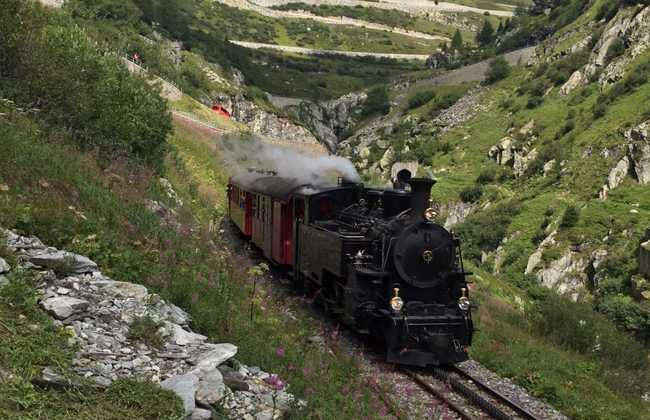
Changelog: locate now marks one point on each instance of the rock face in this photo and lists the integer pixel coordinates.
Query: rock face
(504, 151)
(4, 266)
(259, 121)
(522, 161)
(566, 274)
(455, 212)
(634, 32)
(328, 119)
(98, 313)
(636, 161)
(443, 60)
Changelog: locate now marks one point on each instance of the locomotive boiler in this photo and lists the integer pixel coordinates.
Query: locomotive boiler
(375, 258)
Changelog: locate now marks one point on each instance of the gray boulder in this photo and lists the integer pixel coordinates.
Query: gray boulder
(185, 387)
(78, 263)
(121, 289)
(63, 307)
(4, 266)
(51, 379)
(211, 388)
(217, 354)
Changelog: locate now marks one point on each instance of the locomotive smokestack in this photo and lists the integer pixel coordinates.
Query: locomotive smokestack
(420, 193)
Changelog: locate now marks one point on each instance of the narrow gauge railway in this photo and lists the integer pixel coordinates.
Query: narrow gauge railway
(475, 392)
(375, 258)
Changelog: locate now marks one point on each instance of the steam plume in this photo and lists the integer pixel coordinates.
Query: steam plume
(242, 152)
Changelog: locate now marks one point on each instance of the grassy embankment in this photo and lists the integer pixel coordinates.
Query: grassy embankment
(61, 185)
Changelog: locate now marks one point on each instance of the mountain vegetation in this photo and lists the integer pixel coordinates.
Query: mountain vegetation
(549, 160)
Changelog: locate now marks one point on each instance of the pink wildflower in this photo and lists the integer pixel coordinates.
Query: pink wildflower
(281, 352)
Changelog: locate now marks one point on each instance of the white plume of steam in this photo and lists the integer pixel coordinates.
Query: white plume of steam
(306, 169)
(241, 152)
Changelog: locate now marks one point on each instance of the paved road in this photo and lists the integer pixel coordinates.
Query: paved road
(313, 51)
(410, 6)
(475, 71)
(330, 20)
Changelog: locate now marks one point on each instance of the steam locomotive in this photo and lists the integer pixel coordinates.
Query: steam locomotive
(375, 258)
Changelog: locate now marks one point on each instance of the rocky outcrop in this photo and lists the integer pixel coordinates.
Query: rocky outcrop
(636, 161)
(536, 256)
(643, 262)
(455, 212)
(98, 314)
(260, 122)
(443, 60)
(566, 274)
(504, 151)
(635, 33)
(328, 119)
(522, 160)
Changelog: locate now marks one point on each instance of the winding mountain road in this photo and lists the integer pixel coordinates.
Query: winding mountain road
(314, 51)
(409, 6)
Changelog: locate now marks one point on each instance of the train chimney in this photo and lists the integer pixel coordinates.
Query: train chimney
(420, 193)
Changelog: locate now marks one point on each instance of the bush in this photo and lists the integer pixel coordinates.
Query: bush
(497, 69)
(90, 95)
(421, 98)
(376, 102)
(471, 193)
(570, 217)
(485, 177)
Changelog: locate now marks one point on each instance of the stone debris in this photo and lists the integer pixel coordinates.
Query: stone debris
(98, 313)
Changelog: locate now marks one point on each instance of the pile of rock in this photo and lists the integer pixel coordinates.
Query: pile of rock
(100, 315)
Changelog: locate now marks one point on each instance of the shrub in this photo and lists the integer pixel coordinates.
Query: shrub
(376, 102)
(497, 69)
(485, 177)
(570, 217)
(421, 98)
(534, 102)
(471, 193)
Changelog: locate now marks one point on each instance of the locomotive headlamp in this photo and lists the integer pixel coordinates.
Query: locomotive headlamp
(429, 214)
(463, 302)
(396, 303)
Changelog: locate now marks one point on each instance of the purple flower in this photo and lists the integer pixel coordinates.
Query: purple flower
(306, 372)
(198, 276)
(346, 389)
(382, 411)
(75, 196)
(310, 390)
(281, 352)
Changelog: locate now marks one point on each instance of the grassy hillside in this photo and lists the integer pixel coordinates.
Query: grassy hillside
(548, 345)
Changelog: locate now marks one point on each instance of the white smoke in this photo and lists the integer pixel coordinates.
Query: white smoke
(306, 169)
(241, 152)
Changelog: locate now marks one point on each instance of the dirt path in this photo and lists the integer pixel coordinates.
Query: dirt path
(313, 51)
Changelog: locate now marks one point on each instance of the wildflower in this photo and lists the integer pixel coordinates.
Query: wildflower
(335, 334)
(213, 284)
(358, 408)
(292, 367)
(351, 353)
(310, 390)
(382, 411)
(306, 372)
(346, 389)
(198, 276)
(75, 196)
(374, 404)
(280, 352)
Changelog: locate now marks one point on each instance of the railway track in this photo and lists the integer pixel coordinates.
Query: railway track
(491, 404)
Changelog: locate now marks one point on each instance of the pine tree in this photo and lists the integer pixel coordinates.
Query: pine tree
(444, 46)
(484, 35)
(457, 40)
(500, 28)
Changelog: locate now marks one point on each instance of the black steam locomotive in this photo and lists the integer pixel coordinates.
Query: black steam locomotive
(375, 258)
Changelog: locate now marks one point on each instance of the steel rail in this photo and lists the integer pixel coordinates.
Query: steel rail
(507, 401)
(485, 405)
(423, 383)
